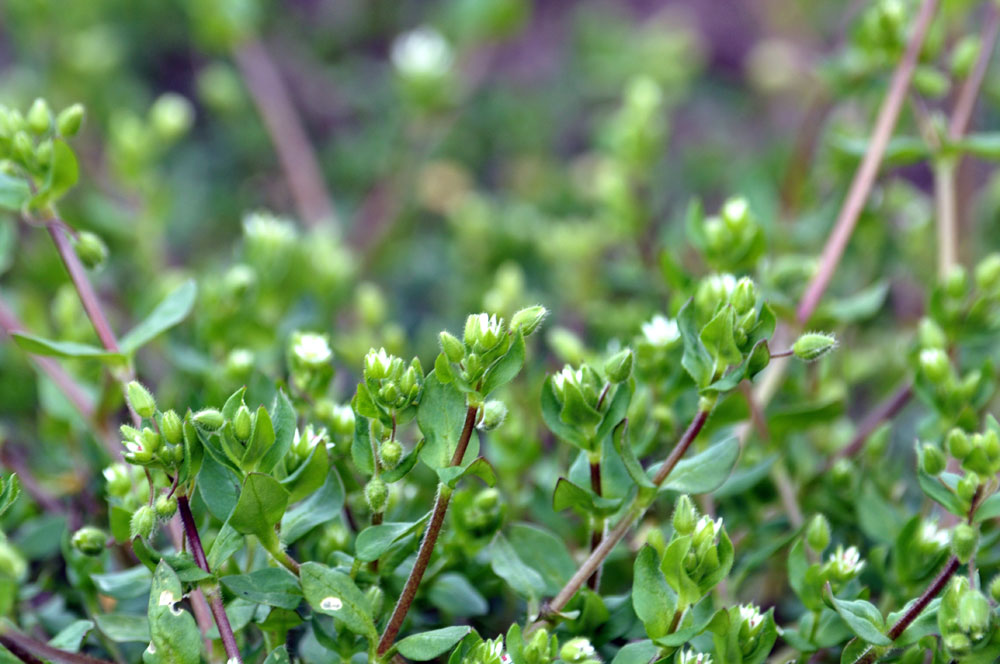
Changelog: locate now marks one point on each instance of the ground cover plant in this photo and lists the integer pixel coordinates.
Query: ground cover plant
(496, 332)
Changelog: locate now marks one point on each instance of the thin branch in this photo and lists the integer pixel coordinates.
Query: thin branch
(884, 412)
(427, 545)
(966, 102)
(298, 159)
(214, 594)
(30, 650)
(599, 523)
(864, 178)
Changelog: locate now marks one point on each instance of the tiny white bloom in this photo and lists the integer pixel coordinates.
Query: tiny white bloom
(751, 615)
(661, 331)
(378, 362)
(421, 52)
(735, 208)
(312, 349)
(847, 562)
(932, 535)
(706, 523)
(692, 657)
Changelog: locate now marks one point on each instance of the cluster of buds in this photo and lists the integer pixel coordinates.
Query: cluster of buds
(27, 139)
(689, 656)
(310, 362)
(583, 393)
(162, 446)
(978, 452)
(965, 618)
(391, 385)
(707, 554)
(540, 649)
(751, 625)
(304, 441)
(840, 566)
(487, 652)
(485, 341)
(579, 650)
(733, 239)
(135, 142)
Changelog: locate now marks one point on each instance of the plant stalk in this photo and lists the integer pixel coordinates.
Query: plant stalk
(213, 592)
(427, 545)
(599, 523)
(31, 651)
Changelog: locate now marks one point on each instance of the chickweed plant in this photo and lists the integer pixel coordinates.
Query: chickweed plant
(753, 430)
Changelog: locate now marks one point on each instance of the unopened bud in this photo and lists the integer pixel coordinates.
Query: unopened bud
(968, 486)
(618, 368)
(577, 650)
(744, 297)
(390, 452)
(813, 345)
(935, 364)
(930, 334)
(165, 506)
(956, 282)
(172, 427)
(492, 415)
(974, 614)
(529, 319)
(453, 349)
(89, 540)
(964, 540)
(39, 116)
(143, 520)
(70, 119)
(958, 443)
(171, 116)
(818, 533)
(685, 515)
(933, 459)
(242, 423)
(376, 493)
(91, 249)
(209, 418)
(140, 399)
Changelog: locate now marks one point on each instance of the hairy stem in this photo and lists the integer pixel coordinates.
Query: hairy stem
(864, 178)
(30, 651)
(427, 544)
(599, 523)
(298, 159)
(213, 592)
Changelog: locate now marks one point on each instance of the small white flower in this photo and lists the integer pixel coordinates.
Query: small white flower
(567, 375)
(692, 657)
(312, 349)
(846, 562)
(378, 363)
(343, 415)
(265, 228)
(751, 615)
(421, 52)
(932, 535)
(661, 331)
(735, 208)
(705, 523)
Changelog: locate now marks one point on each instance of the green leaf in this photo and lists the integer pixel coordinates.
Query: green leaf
(441, 417)
(70, 637)
(322, 506)
(218, 486)
(696, 359)
(261, 438)
(863, 618)
(172, 630)
(982, 145)
(900, 151)
(309, 476)
(333, 593)
(506, 368)
(374, 541)
(169, 312)
(67, 349)
(936, 490)
(225, 544)
(428, 645)
(640, 652)
(284, 423)
(126, 584)
(261, 504)
(623, 446)
(278, 656)
(274, 586)
(9, 493)
(617, 409)
(479, 467)
(123, 628)
(14, 193)
(63, 173)
(521, 577)
(704, 472)
(570, 495)
(453, 595)
(653, 600)
(717, 336)
(544, 552)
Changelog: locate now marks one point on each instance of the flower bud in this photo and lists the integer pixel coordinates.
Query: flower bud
(165, 506)
(310, 350)
(813, 345)
(376, 600)
(528, 320)
(818, 533)
(964, 540)
(150, 440)
(172, 427)
(538, 650)
(974, 614)
(958, 444)
(744, 297)
(390, 452)
(140, 399)
(91, 250)
(209, 418)
(956, 282)
(89, 541)
(685, 515)
(452, 348)
(967, 487)
(376, 493)
(935, 364)
(932, 459)
(492, 415)
(242, 423)
(577, 650)
(618, 367)
(995, 588)
(988, 273)
(143, 520)
(171, 116)
(39, 116)
(24, 149)
(69, 120)
(930, 334)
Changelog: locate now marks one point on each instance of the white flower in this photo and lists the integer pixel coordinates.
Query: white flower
(661, 331)
(705, 523)
(312, 349)
(567, 375)
(932, 535)
(751, 615)
(735, 208)
(265, 228)
(846, 562)
(378, 363)
(692, 657)
(421, 52)
(344, 417)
